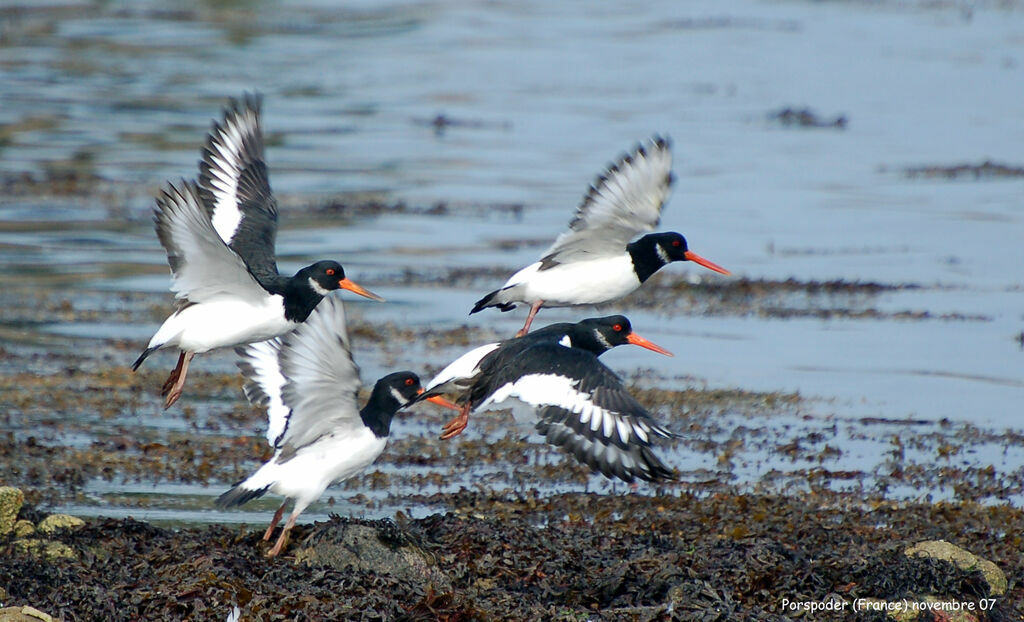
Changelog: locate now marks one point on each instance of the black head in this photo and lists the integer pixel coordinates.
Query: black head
(390, 394)
(600, 334)
(655, 250)
(403, 386)
(326, 276)
(671, 246)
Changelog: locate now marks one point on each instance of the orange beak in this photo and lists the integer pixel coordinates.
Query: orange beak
(352, 286)
(697, 259)
(440, 401)
(637, 340)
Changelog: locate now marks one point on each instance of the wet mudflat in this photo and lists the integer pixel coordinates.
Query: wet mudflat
(777, 499)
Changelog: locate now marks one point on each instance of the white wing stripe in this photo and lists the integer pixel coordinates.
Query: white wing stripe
(560, 391)
(464, 367)
(267, 374)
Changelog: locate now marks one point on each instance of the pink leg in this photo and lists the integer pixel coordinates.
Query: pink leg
(455, 427)
(174, 391)
(282, 540)
(529, 318)
(275, 521)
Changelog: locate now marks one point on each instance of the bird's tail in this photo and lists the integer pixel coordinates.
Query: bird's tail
(143, 356)
(241, 493)
(489, 301)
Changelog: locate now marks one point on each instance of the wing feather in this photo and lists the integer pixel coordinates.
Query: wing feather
(235, 185)
(202, 266)
(623, 202)
(259, 365)
(583, 407)
(321, 378)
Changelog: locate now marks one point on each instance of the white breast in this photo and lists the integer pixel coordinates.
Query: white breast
(223, 322)
(578, 282)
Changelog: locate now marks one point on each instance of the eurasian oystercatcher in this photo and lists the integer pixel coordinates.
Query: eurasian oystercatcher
(594, 261)
(583, 407)
(309, 383)
(219, 236)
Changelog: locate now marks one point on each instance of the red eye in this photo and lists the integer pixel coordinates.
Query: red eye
(408, 382)
(330, 271)
(676, 243)
(617, 328)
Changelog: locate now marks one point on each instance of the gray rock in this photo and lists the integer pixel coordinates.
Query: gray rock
(379, 547)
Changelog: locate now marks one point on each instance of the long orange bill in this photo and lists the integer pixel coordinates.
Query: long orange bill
(637, 340)
(352, 286)
(440, 401)
(710, 265)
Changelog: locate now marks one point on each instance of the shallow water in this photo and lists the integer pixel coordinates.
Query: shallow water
(541, 97)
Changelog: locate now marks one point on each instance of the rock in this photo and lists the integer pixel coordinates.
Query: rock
(47, 549)
(940, 549)
(379, 547)
(53, 522)
(24, 528)
(10, 504)
(23, 614)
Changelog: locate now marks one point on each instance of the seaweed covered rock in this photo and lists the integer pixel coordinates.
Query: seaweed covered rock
(372, 546)
(56, 522)
(963, 559)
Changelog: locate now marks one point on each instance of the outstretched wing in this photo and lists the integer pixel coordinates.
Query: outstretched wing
(623, 202)
(202, 265)
(259, 365)
(321, 379)
(235, 187)
(584, 408)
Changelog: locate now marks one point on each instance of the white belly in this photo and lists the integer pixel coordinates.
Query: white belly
(315, 467)
(223, 323)
(576, 283)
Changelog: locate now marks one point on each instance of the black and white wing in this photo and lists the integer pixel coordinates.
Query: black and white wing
(261, 369)
(584, 408)
(460, 375)
(321, 379)
(235, 186)
(624, 201)
(202, 265)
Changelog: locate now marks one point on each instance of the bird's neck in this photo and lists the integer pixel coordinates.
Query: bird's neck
(299, 297)
(380, 409)
(646, 258)
(591, 341)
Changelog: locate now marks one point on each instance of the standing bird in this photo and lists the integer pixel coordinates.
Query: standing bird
(583, 407)
(594, 261)
(309, 384)
(219, 237)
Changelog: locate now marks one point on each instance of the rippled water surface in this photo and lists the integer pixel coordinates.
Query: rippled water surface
(478, 125)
